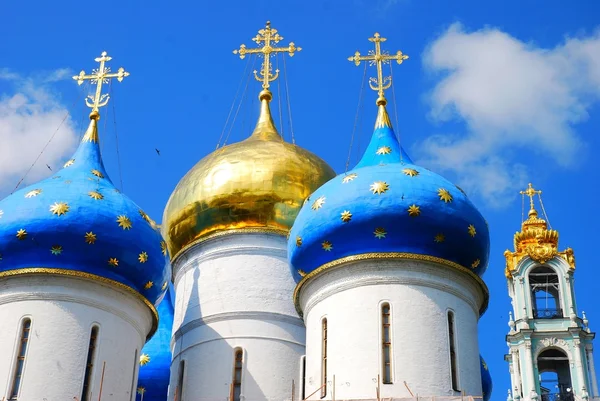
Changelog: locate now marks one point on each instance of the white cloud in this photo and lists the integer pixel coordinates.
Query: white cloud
(29, 115)
(510, 96)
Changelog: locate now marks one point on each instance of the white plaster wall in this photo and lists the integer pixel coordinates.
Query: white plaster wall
(420, 294)
(63, 311)
(236, 291)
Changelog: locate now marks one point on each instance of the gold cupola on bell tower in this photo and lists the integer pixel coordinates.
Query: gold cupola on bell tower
(256, 185)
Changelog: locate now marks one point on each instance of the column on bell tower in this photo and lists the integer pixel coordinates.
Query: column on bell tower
(550, 344)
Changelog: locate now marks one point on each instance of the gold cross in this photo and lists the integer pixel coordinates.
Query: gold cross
(378, 58)
(100, 76)
(270, 37)
(531, 193)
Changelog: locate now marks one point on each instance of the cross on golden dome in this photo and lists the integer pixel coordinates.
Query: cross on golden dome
(531, 192)
(100, 76)
(269, 37)
(378, 58)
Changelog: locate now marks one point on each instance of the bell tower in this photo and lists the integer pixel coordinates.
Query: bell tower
(550, 344)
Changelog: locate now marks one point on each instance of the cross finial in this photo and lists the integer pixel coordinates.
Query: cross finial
(270, 37)
(378, 58)
(531, 192)
(99, 76)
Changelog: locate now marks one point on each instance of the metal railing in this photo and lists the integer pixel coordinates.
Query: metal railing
(547, 313)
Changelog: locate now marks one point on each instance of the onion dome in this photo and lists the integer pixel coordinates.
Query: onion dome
(535, 240)
(486, 380)
(76, 223)
(388, 207)
(155, 359)
(258, 184)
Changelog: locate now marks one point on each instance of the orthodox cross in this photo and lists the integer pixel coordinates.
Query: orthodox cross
(378, 58)
(531, 193)
(100, 76)
(269, 37)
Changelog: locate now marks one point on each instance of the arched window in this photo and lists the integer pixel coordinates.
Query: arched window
(20, 363)
(136, 362)
(453, 356)
(179, 388)
(324, 358)
(555, 376)
(386, 343)
(89, 365)
(545, 299)
(238, 365)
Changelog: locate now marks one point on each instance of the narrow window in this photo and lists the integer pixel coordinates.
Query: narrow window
(452, 341)
(89, 364)
(136, 362)
(324, 358)
(303, 382)
(179, 388)
(18, 375)
(238, 363)
(386, 343)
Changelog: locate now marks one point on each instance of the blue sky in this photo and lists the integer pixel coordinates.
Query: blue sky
(492, 97)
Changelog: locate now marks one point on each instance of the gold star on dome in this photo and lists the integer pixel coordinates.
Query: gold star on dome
(327, 246)
(163, 247)
(69, 163)
(141, 390)
(411, 172)
(56, 250)
(414, 210)
(113, 262)
(439, 238)
(472, 230)
(144, 359)
(476, 263)
(90, 238)
(33, 193)
(444, 195)
(346, 216)
(298, 241)
(349, 178)
(124, 222)
(59, 208)
(148, 285)
(95, 195)
(143, 257)
(97, 173)
(144, 216)
(318, 203)
(380, 233)
(379, 187)
(301, 272)
(384, 150)
(22, 234)
(164, 286)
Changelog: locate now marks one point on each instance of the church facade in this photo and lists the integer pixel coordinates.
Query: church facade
(273, 278)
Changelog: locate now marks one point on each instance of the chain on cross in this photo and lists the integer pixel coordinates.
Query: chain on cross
(100, 76)
(270, 38)
(531, 192)
(378, 58)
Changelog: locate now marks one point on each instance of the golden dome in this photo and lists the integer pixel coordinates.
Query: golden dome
(259, 183)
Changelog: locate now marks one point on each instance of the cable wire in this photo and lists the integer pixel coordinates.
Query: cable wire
(397, 130)
(358, 108)
(544, 211)
(289, 103)
(279, 98)
(116, 137)
(241, 101)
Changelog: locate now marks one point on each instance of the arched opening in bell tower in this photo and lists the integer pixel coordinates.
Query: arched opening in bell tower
(555, 376)
(545, 293)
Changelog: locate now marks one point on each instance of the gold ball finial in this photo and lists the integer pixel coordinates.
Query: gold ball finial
(381, 101)
(94, 115)
(265, 94)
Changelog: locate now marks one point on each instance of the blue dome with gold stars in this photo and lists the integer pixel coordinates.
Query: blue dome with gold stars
(486, 380)
(388, 207)
(155, 359)
(77, 223)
